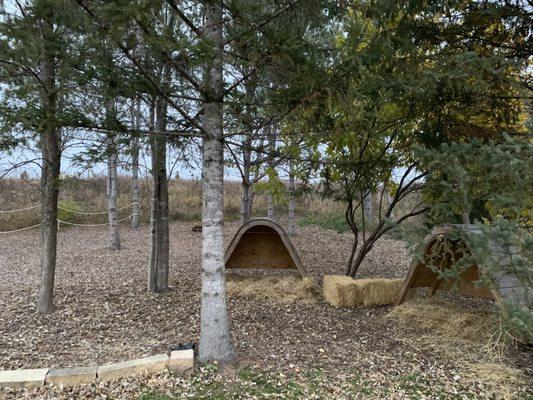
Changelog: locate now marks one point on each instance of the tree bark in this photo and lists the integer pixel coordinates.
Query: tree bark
(388, 201)
(367, 207)
(112, 194)
(215, 340)
(270, 207)
(159, 224)
(51, 155)
(349, 216)
(247, 196)
(136, 119)
(135, 192)
(50, 138)
(246, 202)
(271, 150)
(292, 201)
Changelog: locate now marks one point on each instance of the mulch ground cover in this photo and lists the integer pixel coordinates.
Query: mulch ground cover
(104, 313)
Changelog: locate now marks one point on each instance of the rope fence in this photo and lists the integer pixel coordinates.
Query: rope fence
(96, 213)
(19, 210)
(67, 210)
(60, 221)
(21, 229)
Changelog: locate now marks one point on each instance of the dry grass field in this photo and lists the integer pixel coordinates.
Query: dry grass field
(184, 198)
(88, 195)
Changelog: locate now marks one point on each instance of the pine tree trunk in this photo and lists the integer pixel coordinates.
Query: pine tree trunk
(136, 119)
(246, 199)
(135, 192)
(159, 224)
(112, 196)
(154, 217)
(51, 165)
(246, 202)
(163, 246)
(271, 150)
(51, 154)
(292, 201)
(215, 340)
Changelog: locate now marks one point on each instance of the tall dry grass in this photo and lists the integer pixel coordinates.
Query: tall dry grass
(89, 195)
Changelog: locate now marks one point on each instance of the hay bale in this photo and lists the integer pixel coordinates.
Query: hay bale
(343, 291)
(281, 289)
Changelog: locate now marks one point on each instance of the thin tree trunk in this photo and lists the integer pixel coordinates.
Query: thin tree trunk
(162, 263)
(215, 340)
(388, 201)
(135, 192)
(154, 217)
(349, 216)
(466, 218)
(51, 165)
(271, 150)
(154, 209)
(246, 202)
(51, 154)
(352, 256)
(270, 207)
(367, 207)
(112, 195)
(379, 230)
(163, 231)
(137, 115)
(357, 262)
(159, 225)
(292, 201)
(246, 199)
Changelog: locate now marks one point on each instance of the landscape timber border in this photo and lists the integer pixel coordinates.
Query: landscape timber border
(179, 362)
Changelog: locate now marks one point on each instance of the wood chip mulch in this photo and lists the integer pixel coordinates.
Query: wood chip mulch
(104, 312)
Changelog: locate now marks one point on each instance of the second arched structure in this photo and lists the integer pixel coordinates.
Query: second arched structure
(504, 286)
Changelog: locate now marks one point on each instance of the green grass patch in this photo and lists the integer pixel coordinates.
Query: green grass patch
(68, 211)
(333, 222)
(154, 396)
(211, 383)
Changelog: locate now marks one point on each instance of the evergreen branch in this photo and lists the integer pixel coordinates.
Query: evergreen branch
(184, 18)
(104, 27)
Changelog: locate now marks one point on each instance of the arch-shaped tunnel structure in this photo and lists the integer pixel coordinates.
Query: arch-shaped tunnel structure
(504, 287)
(262, 243)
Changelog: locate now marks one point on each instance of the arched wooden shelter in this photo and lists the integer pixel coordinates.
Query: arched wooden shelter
(501, 287)
(262, 243)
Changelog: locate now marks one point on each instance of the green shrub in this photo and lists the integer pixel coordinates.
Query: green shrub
(67, 211)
